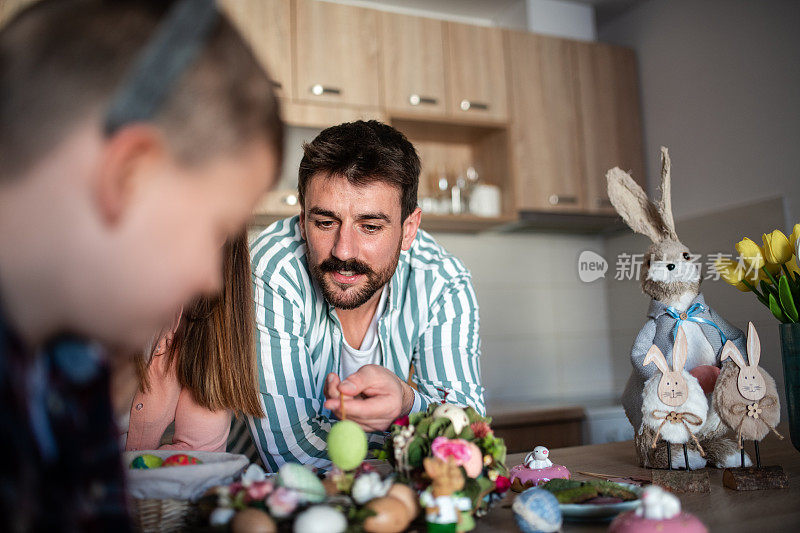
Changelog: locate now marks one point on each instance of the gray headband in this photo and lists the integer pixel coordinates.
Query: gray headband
(175, 45)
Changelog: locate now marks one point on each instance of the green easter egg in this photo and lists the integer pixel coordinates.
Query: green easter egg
(347, 445)
(147, 461)
(303, 481)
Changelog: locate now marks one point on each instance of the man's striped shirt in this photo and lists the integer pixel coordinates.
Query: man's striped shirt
(431, 321)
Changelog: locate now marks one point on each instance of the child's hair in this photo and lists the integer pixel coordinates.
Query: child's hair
(63, 60)
(213, 349)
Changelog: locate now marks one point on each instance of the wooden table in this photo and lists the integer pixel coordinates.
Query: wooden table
(722, 509)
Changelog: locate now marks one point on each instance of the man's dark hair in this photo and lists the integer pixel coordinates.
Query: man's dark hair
(363, 152)
(63, 60)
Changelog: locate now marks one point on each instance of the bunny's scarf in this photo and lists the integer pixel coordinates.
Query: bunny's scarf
(753, 410)
(673, 417)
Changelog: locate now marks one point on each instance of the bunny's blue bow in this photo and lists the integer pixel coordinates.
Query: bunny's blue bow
(689, 317)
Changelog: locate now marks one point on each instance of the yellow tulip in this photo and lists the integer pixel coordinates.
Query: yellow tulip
(777, 249)
(731, 273)
(772, 268)
(792, 265)
(750, 254)
(794, 236)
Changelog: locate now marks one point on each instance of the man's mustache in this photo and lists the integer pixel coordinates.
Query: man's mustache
(333, 264)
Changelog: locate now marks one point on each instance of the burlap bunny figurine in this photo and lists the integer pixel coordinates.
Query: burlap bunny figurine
(671, 278)
(745, 396)
(673, 403)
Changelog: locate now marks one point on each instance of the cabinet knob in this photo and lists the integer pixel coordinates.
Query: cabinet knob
(466, 105)
(555, 199)
(416, 99)
(319, 90)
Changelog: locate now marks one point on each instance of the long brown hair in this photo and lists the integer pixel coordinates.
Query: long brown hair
(213, 348)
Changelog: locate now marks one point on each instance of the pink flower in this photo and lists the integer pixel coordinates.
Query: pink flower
(502, 484)
(481, 429)
(402, 421)
(464, 453)
(259, 490)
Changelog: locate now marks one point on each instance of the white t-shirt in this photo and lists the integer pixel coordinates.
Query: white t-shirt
(370, 350)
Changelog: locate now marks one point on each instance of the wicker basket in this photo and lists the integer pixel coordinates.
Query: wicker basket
(162, 516)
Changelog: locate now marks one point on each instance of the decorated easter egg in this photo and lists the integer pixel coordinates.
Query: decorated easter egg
(536, 511)
(146, 461)
(407, 496)
(300, 479)
(251, 520)
(347, 445)
(391, 516)
(320, 519)
(181, 459)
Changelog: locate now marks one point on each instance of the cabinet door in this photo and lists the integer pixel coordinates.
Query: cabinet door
(413, 64)
(612, 131)
(267, 26)
(337, 54)
(545, 127)
(477, 71)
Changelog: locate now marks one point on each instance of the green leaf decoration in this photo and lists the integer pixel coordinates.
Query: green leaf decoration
(767, 289)
(467, 434)
(416, 452)
(450, 432)
(437, 427)
(776, 309)
(787, 302)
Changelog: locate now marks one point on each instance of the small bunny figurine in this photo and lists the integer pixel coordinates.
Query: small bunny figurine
(672, 280)
(442, 506)
(745, 396)
(674, 405)
(538, 458)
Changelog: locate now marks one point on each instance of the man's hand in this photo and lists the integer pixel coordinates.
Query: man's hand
(374, 397)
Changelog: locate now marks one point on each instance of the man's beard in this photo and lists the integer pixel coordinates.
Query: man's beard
(352, 297)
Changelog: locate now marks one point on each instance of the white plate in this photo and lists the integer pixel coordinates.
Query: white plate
(592, 512)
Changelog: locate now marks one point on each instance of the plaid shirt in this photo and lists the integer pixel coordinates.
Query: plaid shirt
(61, 467)
(431, 320)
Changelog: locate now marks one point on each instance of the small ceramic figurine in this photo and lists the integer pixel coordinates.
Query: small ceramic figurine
(745, 396)
(440, 502)
(660, 512)
(537, 468)
(538, 458)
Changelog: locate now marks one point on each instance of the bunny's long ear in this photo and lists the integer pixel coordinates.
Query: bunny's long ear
(753, 345)
(654, 355)
(665, 205)
(632, 204)
(679, 351)
(730, 350)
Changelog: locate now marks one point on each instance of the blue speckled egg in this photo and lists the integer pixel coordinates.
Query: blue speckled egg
(537, 511)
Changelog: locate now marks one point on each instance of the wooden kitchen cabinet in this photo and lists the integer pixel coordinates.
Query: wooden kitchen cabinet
(610, 116)
(477, 72)
(336, 58)
(545, 125)
(413, 64)
(267, 27)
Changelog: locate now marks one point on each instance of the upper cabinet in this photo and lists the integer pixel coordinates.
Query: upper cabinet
(267, 27)
(612, 130)
(545, 124)
(413, 64)
(477, 72)
(336, 57)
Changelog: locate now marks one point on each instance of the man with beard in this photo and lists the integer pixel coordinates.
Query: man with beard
(351, 295)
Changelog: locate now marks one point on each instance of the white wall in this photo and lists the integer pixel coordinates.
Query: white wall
(563, 19)
(719, 87)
